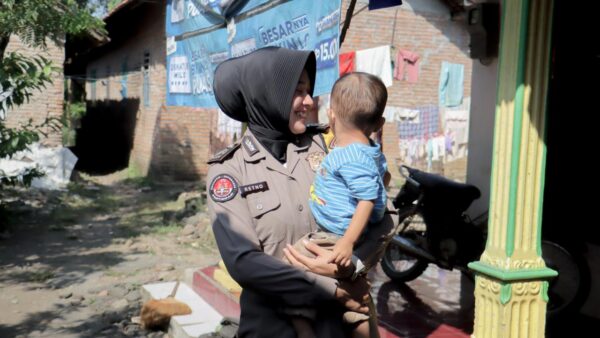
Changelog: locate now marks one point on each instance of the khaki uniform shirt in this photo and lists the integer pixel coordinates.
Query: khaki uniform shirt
(258, 206)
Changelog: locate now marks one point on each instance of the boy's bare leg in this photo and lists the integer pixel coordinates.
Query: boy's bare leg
(303, 327)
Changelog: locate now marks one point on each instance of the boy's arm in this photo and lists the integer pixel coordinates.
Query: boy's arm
(342, 251)
(359, 221)
(361, 176)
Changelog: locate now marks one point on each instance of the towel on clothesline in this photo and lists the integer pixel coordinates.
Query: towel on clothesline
(347, 62)
(451, 84)
(376, 61)
(407, 61)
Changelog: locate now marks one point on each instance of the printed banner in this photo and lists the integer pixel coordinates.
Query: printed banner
(201, 34)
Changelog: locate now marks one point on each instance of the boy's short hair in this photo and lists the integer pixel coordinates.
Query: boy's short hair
(359, 99)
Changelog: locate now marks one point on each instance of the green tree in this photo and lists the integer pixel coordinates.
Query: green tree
(36, 23)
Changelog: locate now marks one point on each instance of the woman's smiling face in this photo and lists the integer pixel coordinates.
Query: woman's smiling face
(302, 103)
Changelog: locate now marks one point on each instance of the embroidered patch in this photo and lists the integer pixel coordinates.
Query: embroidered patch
(315, 159)
(252, 188)
(223, 188)
(249, 145)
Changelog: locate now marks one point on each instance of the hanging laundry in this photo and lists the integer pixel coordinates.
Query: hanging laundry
(430, 154)
(407, 66)
(451, 84)
(457, 121)
(390, 113)
(439, 142)
(408, 115)
(449, 141)
(377, 4)
(347, 62)
(435, 150)
(376, 61)
(427, 125)
(457, 114)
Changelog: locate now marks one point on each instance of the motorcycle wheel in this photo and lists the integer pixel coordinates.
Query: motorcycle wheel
(568, 291)
(399, 266)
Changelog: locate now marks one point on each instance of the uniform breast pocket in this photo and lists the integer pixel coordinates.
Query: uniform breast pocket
(265, 208)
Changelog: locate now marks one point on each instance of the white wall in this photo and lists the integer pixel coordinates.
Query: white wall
(481, 132)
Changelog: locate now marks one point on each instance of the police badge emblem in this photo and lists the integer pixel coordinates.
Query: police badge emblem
(223, 188)
(315, 159)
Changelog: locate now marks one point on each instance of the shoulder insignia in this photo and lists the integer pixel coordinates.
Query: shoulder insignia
(222, 154)
(223, 188)
(249, 145)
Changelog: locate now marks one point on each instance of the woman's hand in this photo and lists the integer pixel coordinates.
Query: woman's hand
(319, 264)
(354, 295)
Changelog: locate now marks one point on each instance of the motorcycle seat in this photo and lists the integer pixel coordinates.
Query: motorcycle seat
(443, 190)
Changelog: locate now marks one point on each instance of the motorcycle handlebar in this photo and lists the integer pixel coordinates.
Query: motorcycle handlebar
(405, 172)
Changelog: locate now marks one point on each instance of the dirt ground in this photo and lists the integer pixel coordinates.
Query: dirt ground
(72, 262)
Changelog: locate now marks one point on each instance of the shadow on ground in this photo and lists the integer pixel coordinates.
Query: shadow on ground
(60, 241)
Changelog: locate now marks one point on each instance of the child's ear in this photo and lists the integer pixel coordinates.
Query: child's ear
(330, 115)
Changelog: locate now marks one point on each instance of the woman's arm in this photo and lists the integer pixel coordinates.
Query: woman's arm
(248, 264)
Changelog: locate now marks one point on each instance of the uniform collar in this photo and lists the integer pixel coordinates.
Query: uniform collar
(302, 145)
(254, 151)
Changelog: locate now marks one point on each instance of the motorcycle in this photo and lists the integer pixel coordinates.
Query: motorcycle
(448, 238)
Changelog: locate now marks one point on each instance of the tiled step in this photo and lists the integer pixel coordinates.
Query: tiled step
(203, 319)
(204, 284)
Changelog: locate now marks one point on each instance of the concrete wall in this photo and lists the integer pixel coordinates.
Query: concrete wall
(481, 138)
(45, 103)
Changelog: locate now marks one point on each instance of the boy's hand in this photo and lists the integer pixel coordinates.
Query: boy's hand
(342, 253)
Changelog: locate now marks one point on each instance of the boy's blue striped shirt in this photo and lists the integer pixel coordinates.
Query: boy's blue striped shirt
(347, 175)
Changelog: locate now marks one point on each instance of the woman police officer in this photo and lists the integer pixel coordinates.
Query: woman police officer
(258, 196)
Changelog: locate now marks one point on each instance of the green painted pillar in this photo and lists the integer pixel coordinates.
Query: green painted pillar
(511, 278)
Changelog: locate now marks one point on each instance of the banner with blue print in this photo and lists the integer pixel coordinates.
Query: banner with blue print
(203, 33)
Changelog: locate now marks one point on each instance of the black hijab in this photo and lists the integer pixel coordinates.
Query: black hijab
(258, 88)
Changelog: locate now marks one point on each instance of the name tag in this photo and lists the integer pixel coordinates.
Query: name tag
(252, 188)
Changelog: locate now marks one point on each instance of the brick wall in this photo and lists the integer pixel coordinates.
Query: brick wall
(423, 27)
(169, 142)
(182, 143)
(174, 142)
(45, 103)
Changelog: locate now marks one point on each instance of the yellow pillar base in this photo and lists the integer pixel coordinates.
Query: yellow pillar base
(515, 309)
